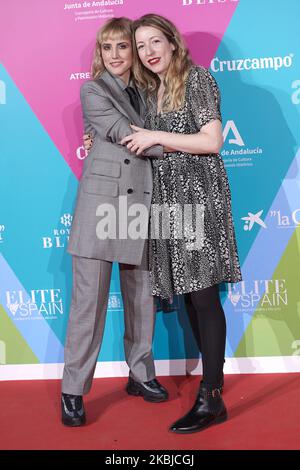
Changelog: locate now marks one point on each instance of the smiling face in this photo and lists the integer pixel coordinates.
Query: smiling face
(117, 56)
(154, 49)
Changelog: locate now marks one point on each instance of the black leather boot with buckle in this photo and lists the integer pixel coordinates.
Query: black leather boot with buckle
(208, 409)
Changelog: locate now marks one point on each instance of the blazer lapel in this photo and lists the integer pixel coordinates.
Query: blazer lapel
(144, 104)
(116, 95)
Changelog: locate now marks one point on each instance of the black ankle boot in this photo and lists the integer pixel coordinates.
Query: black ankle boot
(72, 410)
(208, 409)
(221, 386)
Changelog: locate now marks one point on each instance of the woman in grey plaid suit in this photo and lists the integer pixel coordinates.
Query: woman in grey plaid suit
(112, 176)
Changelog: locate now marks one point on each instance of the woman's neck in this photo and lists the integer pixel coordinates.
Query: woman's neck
(160, 94)
(162, 76)
(125, 77)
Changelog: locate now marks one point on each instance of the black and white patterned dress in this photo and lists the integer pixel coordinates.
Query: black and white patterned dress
(204, 254)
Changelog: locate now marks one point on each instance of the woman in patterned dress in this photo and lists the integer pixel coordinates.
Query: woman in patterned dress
(191, 185)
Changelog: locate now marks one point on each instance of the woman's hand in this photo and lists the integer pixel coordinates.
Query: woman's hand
(87, 141)
(141, 140)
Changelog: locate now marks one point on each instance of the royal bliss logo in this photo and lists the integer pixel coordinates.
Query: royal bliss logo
(60, 235)
(35, 304)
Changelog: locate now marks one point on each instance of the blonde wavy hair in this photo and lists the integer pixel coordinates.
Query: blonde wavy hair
(116, 27)
(178, 69)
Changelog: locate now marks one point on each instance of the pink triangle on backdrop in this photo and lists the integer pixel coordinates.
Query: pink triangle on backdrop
(42, 45)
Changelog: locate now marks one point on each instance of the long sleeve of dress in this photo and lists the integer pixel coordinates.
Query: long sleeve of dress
(203, 97)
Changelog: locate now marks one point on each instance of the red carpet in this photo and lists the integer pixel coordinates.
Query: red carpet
(264, 413)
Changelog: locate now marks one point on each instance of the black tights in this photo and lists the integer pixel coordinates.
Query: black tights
(208, 323)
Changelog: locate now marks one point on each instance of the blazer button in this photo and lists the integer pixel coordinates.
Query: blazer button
(130, 190)
(127, 161)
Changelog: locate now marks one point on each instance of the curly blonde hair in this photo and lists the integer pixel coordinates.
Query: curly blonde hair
(116, 27)
(178, 69)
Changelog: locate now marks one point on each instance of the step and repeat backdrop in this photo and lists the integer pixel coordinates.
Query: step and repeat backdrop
(252, 48)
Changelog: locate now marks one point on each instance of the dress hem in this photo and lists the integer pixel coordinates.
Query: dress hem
(187, 291)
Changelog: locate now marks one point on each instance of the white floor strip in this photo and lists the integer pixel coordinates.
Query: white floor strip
(245, 365)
